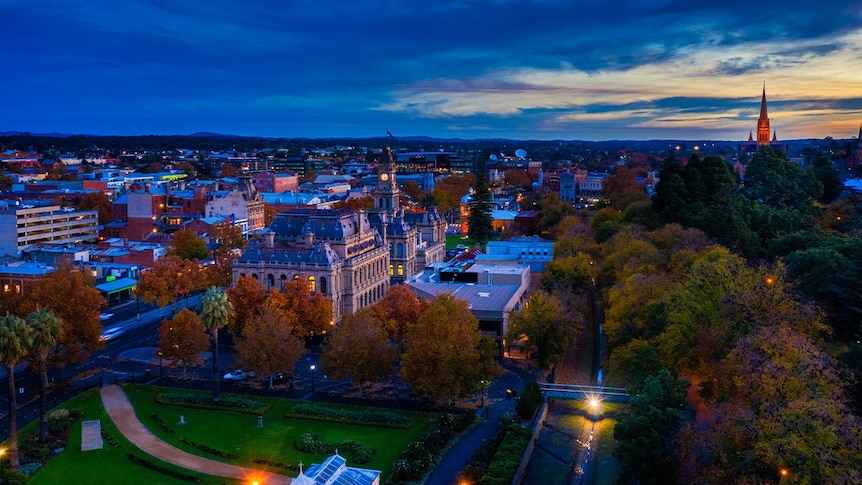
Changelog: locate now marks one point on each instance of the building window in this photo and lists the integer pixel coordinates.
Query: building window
(323, 285)
(282, 280)
(312, 284)
(270, 281)
(399, 250)
(391, 272)
(400, 270)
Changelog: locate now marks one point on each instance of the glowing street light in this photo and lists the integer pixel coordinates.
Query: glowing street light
(312, 376)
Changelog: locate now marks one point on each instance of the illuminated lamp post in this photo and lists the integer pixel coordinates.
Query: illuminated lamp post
(312, 376)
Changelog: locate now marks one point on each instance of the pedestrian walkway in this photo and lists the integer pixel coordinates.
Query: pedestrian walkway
(120, 410)
(453, 462)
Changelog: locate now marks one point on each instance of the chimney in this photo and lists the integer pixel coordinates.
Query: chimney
(309, 240)
(269, 237)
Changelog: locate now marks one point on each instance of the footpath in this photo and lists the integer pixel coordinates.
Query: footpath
(456, 458)
(120, 410)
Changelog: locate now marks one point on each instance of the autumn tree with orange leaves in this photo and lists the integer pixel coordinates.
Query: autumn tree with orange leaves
(247, 298)
(269, 342)
(313, 311)
(397, 310)
(170, 276)
(183, 340)
(360, 350)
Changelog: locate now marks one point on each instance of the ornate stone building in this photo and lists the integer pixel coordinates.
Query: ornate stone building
(352, 257)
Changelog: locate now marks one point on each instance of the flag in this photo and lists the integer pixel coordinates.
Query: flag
(389, 133)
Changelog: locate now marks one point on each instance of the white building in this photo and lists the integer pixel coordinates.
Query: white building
(23, 226)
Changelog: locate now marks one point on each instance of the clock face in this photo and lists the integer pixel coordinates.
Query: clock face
(384, 177)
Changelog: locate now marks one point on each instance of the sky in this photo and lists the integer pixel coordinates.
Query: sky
(527, 69)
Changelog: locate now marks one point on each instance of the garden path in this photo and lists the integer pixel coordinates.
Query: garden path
(120, 410)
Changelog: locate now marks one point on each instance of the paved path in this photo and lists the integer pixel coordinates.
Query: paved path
(120, 410)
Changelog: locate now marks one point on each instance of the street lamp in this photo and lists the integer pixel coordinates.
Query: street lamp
(160, 365)
(594, 405)
(312, 376)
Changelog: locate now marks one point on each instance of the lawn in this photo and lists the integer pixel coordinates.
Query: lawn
(109, 464)
(231, 433)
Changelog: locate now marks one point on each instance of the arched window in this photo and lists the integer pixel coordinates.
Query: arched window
(400, 270)
(255, 276)
(399, 250)
(323, 288)
(270, 281)
(282, 281)
(312, 284)
(391, 271)
(295, 277)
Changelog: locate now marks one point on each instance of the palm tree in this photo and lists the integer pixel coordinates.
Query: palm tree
(46, 330)
(216, 312)
(14, 346)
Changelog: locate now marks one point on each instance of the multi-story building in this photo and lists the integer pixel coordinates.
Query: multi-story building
(336, 252)
(350, 256)
(243, 207)
(22, 226)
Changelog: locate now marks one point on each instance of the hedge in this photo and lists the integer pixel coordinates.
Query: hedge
(386, 419)
(235, 404)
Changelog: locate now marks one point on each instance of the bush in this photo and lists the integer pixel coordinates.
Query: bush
(310, 443)
(347, 415)
(30, 468)
(418, 458)
(165, 471)
(508, 457)
(60, 420)
(161, 424)
(235, 404)
(529, 401)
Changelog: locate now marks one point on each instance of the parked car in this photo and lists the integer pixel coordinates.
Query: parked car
(281, 377)
(238, 375)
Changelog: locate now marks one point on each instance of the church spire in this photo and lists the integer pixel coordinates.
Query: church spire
(763, 131)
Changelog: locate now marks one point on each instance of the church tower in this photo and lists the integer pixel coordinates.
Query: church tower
(386, 190)
(763, 122)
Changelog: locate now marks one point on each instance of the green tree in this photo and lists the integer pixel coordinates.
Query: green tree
(545, 328)
(15, 343)
(657, 410)
(479, 224)
(183, 340)
(442, 358)
(46, 332)
(360, 350)
(269, 342)
(828, 177)
(186, 245)
(216, 313)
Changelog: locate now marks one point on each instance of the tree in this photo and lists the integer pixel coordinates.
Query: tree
(622, 189)
(442, 358)
(480, 223)
(216, 313)
(15, 342)
(828, 177)
(413, 191)
(100, 202)
(360, 350)
(186, 245)
(247, 298)
(71, 295)
(170, 276)
(269, 343)
(643, 437)
(313, 311)
(397, 310)
(183, 340)
(546, 330)
(228, 170)
(46, 332)
(448, 192)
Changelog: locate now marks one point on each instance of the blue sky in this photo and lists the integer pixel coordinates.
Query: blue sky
(539, 69)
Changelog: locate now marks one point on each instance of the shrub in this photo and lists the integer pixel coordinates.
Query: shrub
(310, 443)
(529, 401)
(275, 464)
(161, 424)
(421, 455)
(346, 415)
(29, 468)
(508, 457)
(165, 471)
(60, 420)
(110, 440)
(237, 404)
(207, 449)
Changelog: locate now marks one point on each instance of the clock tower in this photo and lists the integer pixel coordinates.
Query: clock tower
(386, 190)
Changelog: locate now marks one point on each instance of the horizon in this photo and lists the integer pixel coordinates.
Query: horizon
(541, 70)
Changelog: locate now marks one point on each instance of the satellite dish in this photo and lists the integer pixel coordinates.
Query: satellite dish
(493, 157)
(520, 153)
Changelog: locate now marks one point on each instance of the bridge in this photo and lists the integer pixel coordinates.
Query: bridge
(580, 391)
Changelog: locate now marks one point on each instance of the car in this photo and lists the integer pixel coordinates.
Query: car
(105, 316)
(238, 375)
(281, 377)
(111, 333)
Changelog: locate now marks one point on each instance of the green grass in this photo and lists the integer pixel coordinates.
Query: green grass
(108, 465)
(229, 432)
(453, 240)
(238, 433)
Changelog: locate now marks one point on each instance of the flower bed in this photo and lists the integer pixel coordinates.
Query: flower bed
(310, 443)
(387, 419)
(234, 404)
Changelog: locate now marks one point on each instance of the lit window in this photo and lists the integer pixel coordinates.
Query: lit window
(312, 284)
(391, 271)
(400, 270)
